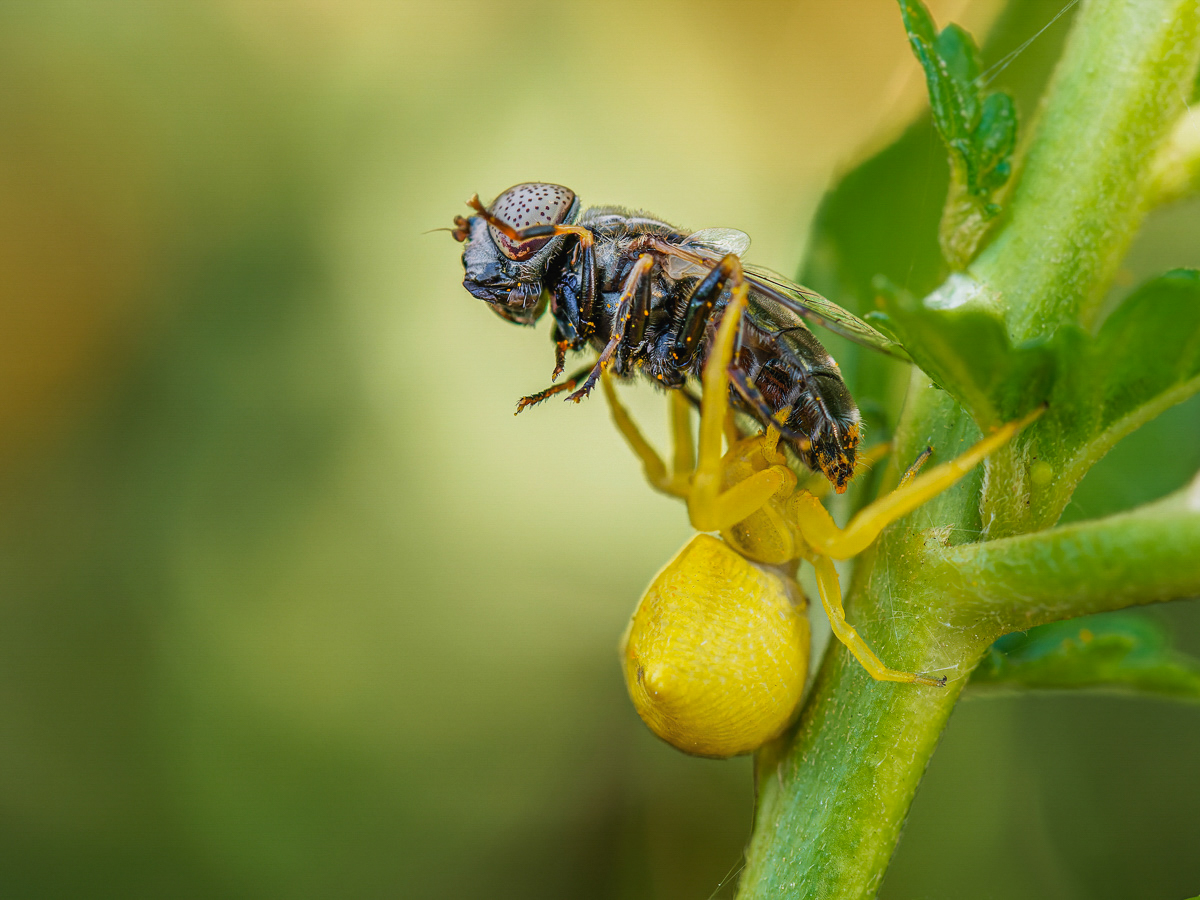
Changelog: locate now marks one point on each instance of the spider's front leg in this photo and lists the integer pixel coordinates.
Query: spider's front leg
(677, 482)
(831, 598)
(823, 535)
(709, 507)
(829, 542)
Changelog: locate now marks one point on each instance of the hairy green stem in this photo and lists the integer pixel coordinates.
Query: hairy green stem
(1122, 84)
(1149, 554)
(831, 810)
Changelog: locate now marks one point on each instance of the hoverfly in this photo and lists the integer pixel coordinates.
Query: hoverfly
(648, 295)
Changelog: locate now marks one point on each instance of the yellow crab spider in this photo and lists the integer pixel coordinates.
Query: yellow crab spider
(716, 654)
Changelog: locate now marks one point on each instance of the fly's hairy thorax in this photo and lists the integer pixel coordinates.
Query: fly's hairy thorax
(616, 232)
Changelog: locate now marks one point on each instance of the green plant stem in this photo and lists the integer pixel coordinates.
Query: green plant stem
(1120, 87)
(1149, 554)
(831, 811)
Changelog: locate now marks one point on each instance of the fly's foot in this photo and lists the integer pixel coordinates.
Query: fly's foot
(585, 390)
(593, 376)
(532, 400)
(560, 358)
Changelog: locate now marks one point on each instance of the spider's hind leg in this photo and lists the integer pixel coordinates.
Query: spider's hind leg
(831, 599)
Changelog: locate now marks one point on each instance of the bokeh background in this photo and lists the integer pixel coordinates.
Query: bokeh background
(290, 604)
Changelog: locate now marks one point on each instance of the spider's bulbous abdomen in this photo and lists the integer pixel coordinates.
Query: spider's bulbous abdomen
(716, 654)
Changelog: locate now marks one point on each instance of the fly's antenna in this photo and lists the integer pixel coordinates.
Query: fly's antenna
(460, 232)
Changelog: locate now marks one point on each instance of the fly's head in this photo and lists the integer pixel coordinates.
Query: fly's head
(511, 244)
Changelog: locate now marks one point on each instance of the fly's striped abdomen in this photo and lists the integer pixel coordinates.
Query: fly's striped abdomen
(791, 370)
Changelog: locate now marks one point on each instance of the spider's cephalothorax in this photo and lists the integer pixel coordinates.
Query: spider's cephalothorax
(647, 295)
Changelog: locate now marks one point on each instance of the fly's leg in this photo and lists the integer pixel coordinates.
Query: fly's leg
(587, 300)
(560, 358)
(643, 296)
(710, 508)
(827, 539)
(534, 399)
(632, 290)
(726, 274)
(561, 346)
(831, 598)
(751, 394)
(674, 484)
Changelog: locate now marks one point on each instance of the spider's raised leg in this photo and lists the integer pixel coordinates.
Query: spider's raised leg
(827, 539)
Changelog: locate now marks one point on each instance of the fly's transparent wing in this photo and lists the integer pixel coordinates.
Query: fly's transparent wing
(816, 308)
(720, 241)
(711, 243)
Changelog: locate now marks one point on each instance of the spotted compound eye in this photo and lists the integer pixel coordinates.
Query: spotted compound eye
(525, 205)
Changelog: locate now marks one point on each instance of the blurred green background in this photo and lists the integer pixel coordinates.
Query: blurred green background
(290, 604)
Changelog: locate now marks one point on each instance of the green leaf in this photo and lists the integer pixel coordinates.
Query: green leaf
(1120, 651)
(1145, 359)
(958, 338)
(995, 139)
(979, 130)
(956, 46)
(1149, 347)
